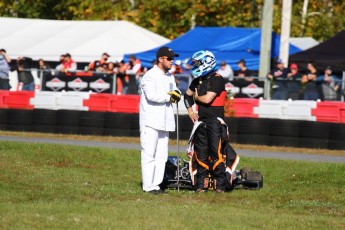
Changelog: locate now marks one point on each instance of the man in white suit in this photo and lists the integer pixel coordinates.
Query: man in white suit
(159, 91)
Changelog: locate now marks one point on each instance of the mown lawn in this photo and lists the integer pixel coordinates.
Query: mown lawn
(46, 186)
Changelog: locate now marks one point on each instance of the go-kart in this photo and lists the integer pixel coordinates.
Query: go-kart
(245, 178)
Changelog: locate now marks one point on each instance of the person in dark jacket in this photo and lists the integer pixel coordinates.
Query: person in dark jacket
(278, 76)
(25, 77)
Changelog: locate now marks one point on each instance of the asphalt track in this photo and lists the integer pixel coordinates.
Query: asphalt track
(182, 149)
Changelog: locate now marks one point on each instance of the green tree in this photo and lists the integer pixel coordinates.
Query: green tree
(173, 18)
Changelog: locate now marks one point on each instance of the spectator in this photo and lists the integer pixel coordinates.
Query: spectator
(43, 68)
(243, 71)
(23, 68)
(110, 69)
(330, 85)
(177, 68)
(182, 81)
(133, 68)
(5, 61)
(278, 75)
(294, 85)
(62, 58)
(186, 68)
(153, 63)
(67, 65)
(225, 70)
(309, 83)
(122, 78)
(100, 65)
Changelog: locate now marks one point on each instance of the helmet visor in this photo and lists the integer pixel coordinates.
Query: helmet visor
(194, 63)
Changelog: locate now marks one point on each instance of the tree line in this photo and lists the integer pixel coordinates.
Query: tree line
(171, 19)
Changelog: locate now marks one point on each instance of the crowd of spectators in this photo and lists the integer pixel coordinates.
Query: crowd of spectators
(312, 84)
(286, 82)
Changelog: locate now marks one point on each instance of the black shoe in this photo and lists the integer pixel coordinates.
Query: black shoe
(153, 192)
(219, 191)
(160, 191)
(200, 190)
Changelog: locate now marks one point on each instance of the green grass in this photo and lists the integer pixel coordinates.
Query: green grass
(46, 186)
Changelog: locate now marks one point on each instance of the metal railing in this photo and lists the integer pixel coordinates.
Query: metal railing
(256, 87)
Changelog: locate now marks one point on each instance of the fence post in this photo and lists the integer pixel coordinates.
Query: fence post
(267, 90)
(343, 88)
(114, 84)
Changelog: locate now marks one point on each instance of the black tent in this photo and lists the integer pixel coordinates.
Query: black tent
(329, 53)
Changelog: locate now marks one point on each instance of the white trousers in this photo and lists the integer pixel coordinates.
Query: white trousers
(154, 154)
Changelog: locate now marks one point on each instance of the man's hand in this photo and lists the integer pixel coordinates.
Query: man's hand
(193, 116)
(175, 96)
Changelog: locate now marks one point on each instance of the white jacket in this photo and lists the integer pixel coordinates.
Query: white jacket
(156, 110)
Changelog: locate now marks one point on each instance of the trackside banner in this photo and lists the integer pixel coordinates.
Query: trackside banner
(240, 88)
(80, 82)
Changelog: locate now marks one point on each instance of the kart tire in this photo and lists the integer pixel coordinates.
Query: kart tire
(243, 172)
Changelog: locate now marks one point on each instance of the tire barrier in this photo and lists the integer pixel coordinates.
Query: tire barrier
(185, 128)
(314, 135)
(3, 119)
(336, 136)
(67, 121)
(19, 120)
(272, 132)
(284, 132)
(44, 120)
(232, 128)
(91, 123)
(253, 131)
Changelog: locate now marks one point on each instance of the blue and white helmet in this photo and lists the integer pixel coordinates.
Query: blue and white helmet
(202, 63)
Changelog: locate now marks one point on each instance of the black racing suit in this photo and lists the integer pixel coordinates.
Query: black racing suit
(209, 137)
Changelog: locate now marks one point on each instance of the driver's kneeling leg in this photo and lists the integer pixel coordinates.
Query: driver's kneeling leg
(203, 170)
(219, 178)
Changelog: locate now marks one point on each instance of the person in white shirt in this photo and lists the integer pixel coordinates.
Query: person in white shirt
(225, 70)
(158, 92)
(68, 65)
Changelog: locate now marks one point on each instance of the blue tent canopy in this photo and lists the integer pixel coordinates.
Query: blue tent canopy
(226, 43)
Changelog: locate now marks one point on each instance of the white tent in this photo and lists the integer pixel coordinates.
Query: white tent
(84, 40)
(304, 43)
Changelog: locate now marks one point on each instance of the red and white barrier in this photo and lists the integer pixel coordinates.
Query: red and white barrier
(330, 111)
(240, 107)
(299, 110)
(270, 109)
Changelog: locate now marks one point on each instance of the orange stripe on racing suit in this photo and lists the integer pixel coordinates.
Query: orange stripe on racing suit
(200, 162)
(220, 155)
(219, 100)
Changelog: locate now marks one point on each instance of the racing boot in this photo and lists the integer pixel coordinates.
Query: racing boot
(203, 186)
(217, 189)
